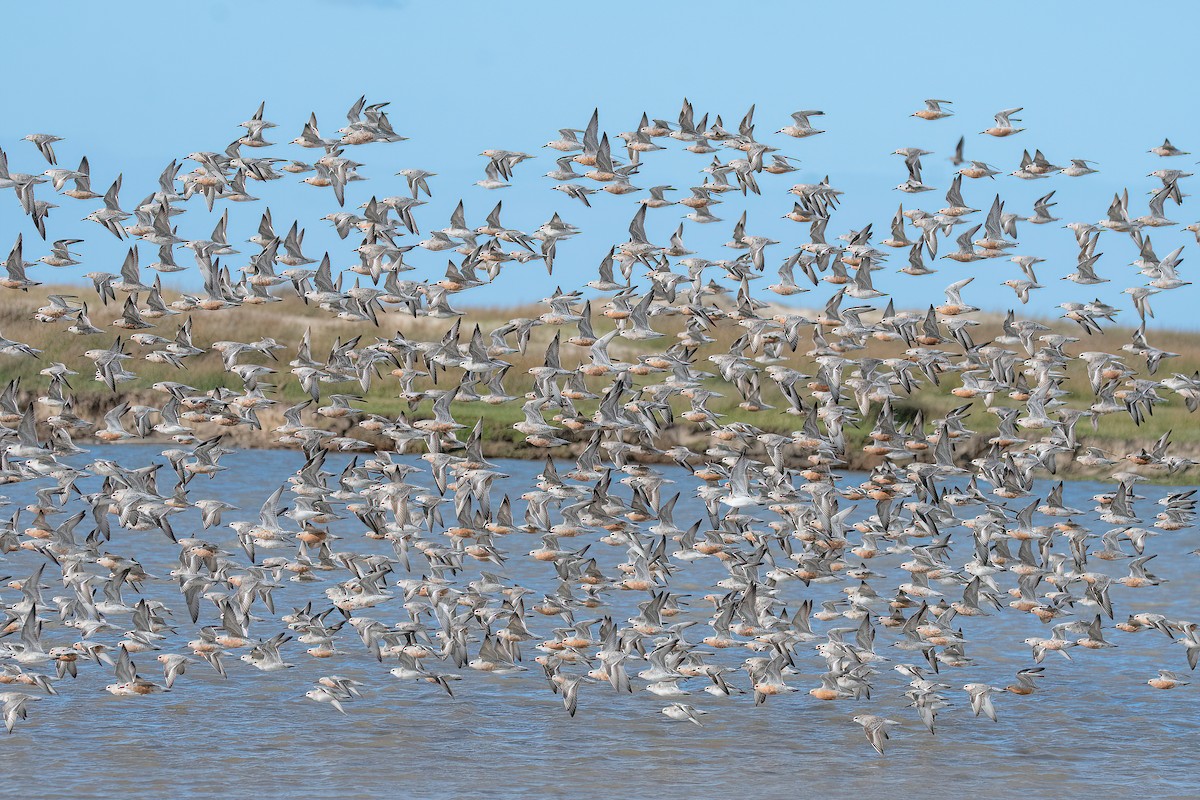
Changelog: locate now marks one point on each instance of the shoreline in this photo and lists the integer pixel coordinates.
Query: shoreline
(93, 406)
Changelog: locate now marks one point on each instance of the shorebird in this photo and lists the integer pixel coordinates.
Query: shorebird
(1167, 149)
(801, 127)
(875, 728)
(933, 110)
(1004, 123)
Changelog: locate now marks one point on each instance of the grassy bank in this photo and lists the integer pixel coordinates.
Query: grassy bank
(286, 321)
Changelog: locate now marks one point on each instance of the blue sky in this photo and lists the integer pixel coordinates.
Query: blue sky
(134, 89)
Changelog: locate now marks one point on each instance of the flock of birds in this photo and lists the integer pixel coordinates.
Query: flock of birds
(429, 598)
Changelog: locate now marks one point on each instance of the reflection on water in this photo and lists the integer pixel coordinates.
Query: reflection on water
(1094, 725)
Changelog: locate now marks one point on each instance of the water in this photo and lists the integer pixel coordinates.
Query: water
(1094, 726)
